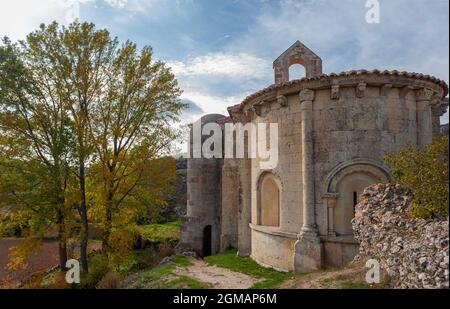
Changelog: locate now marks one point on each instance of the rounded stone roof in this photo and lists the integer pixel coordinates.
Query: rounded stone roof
(352, 73)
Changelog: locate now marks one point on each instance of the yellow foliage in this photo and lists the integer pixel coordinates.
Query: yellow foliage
(20, 253)
(424, 172)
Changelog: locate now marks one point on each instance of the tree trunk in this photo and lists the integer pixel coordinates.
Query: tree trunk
(108, 209)
(108, 221)
(62, 241)
(60, 216)
(84, 237)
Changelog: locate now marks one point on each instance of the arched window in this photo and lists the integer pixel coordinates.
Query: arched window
(342, 188)
(269, 201)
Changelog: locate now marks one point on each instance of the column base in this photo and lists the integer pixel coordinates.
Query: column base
(308, 253)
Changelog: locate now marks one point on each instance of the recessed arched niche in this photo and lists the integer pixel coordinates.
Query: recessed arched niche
(269, 200)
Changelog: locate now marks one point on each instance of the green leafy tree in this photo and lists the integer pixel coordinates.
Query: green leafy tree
(424, 172)
(36, 135)
(75, 105)
(132, 125)
(79, 58)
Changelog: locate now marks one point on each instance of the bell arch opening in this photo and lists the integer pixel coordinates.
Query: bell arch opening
(296, 71)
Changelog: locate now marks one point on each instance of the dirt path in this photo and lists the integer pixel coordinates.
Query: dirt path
(220, 278)
(349, 277)
(46, 258)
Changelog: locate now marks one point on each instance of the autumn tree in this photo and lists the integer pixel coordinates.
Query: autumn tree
(79, 57)
(424, 172)
(35, 137)
(147, 199)
(81, 106)
(133, 124)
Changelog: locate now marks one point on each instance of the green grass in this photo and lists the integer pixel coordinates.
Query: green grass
(138, 260)
(158, 233)
(270, 277)
(164, 278)
(185, 282)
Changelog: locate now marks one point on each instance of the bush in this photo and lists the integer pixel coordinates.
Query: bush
(110, 281)
(98, 268)
(424, 172)
(152, 235)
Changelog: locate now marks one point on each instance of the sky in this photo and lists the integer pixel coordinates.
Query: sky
(222, 50)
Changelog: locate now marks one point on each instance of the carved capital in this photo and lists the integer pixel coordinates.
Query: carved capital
(360, 89)
(282, 100)
(256, 108)
(330, 199)
(335, 90)
(441, 108)
(405, 90)
(384, 91)
(238, 115)
(424, 94)
(306, 95)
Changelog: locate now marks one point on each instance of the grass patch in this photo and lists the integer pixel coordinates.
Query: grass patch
(138, 260)
(229, 259)
(159, 233)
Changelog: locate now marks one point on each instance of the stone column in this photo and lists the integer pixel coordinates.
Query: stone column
(308, 248)
(330, 202)
(424, 117)
(309, 222)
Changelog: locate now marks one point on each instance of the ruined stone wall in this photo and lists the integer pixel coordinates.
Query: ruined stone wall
(413, 252)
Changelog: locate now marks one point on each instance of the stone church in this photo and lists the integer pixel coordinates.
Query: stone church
(333, 132)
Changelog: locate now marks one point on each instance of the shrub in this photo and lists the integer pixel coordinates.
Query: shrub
(98, 268)
(153, 235)
(110, 281)
(55, 280)
(165, 249)
(424, 172)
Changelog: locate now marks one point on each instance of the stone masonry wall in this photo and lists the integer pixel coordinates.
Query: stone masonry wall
(413, 252)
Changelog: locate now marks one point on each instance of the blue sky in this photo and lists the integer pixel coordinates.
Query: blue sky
(222, 50)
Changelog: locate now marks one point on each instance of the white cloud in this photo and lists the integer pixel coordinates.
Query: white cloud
(117, 3)
(239, 66)
(411, 36)
(210, 103)
(20, 17)
(207, 79)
